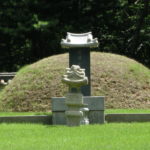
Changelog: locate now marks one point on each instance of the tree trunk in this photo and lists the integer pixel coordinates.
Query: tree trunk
(143, 14)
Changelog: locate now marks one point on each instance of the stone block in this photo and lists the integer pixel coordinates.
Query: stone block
(58, 117)
(95, 104)
(44, 119)
(58, 104)
(96, 117)
(127, 117)
(74, 99)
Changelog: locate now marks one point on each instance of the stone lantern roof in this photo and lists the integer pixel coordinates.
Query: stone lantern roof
(74, 40)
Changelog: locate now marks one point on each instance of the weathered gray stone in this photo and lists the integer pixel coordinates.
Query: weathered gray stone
(74, 99)
(79, 53)
(75, 78)
(95, 104)
(79, 40)
(96, 117)
(5, 79)
(48, 119)
(58, 104)
(7, 76)
(85, 119)
(44, 119)
(81, 57)
(59, 117)
(127, 117)
(73, 117)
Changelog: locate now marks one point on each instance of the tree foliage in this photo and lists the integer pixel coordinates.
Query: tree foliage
(31, 30)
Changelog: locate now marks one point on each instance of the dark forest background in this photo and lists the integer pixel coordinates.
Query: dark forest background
(32, 29)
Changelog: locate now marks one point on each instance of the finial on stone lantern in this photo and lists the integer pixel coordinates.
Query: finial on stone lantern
(75, 77)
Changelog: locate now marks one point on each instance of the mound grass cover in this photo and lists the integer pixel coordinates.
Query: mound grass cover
(124, 82)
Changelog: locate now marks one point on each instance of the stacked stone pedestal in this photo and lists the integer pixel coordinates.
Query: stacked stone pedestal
(95, 105)
(76, 113)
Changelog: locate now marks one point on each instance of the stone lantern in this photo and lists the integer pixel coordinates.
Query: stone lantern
(77, 112)
(79, 46)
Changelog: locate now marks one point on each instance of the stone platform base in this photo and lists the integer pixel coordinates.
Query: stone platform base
(109, 118)
(95, 104)
(127, 118)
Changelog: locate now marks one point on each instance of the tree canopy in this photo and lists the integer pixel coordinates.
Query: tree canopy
(31, 30)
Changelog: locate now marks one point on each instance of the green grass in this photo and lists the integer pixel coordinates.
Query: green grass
(107, 111)
(129, 136)
(139, 69)
(23, 113)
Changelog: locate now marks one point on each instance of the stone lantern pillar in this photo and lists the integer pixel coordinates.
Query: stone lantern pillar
(79, 46)
(76, 113)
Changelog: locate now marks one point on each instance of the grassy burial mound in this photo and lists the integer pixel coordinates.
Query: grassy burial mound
(124, 82)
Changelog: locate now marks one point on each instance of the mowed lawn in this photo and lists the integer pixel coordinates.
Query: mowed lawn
(107, 111)
(113, 136)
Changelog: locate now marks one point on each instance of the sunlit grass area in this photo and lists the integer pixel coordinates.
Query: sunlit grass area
(24, 113)
(107, 111)
(121, 136)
